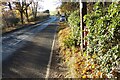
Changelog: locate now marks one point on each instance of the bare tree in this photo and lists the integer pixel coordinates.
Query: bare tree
(26, 10)
(9, 4)
(34, 8)
(22, 8)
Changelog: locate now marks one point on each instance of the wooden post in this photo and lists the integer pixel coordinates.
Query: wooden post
(83, 11)
(81, 25)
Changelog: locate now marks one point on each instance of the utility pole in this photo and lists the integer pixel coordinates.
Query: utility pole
(83, 11)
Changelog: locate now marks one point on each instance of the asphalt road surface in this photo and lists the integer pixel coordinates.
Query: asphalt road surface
(25, 53)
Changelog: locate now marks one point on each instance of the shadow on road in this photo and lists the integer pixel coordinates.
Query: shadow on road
(31, 60)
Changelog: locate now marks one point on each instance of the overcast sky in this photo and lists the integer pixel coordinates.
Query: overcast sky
(49, 4)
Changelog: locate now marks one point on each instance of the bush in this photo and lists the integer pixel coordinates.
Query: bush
(73, 38)
(41, 17)
(69, 41)
(103, 52)
(74, 22)
(104, 26)
(13, 21)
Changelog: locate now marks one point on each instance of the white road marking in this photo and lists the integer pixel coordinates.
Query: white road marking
(50, 58)
(17, 42)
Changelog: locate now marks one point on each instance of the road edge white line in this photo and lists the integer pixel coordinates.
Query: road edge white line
(50, 58)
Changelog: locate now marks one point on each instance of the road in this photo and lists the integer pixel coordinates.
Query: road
(25, 53)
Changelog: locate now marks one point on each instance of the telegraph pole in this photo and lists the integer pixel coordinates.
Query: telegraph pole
(83, 11)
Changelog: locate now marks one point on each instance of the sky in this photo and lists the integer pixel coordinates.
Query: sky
(49, 4)
(46, 4)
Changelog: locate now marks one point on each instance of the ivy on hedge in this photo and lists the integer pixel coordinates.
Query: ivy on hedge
(104, 35)
(74, 22)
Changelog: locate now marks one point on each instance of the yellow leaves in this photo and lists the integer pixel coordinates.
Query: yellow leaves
(94, 55)
(99, 74)
(63, 35)
(84, 71)
(84, 76)
(79, 65)
(84, 54)
(17, 11)
(76, 66)
(93, 66)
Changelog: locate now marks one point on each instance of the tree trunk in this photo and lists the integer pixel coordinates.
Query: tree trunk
(9, 4)
(36, 9)
(10, 7)
(21, 14)
(26, 12)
